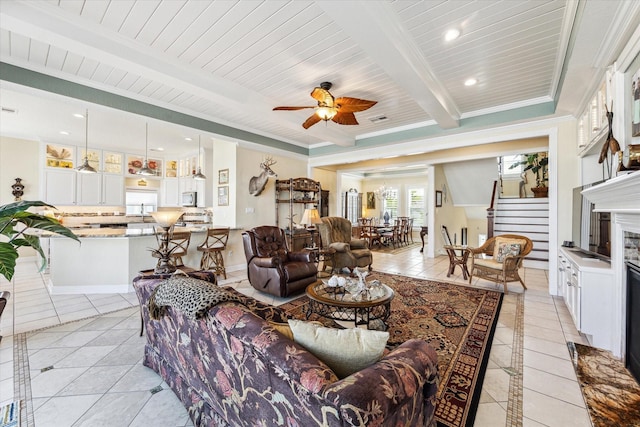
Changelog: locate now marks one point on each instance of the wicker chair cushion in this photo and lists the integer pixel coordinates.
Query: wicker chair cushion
(505, 246)
(487, 263)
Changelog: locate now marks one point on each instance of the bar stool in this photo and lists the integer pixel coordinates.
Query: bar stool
(178, 245)
(212, 249)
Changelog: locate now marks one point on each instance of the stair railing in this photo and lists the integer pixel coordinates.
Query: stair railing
(491, 211)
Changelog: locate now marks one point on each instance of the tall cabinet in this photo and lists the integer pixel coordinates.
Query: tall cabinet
(293, 196)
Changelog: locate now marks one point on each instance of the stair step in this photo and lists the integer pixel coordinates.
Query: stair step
(507, 200)
(522, 227)
(518, 213)
(523, 206)
(521, 220)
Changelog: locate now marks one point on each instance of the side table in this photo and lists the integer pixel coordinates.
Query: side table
(455, 259)
(322, 256)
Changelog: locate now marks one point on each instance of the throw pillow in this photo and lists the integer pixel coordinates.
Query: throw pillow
(500, 242)
(507, 249)
(345, 351)
(193, 297)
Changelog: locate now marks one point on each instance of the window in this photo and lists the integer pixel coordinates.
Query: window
(417, 206)
(508, 162)
(390, 203)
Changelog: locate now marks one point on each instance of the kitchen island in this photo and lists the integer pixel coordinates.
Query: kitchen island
(107, 259)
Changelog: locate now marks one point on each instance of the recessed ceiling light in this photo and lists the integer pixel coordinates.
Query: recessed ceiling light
(64, 132)
(470, 82)
(451, 34)
(188, 139)
(78, 115)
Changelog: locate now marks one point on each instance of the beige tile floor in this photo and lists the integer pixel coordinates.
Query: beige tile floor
(98, 378)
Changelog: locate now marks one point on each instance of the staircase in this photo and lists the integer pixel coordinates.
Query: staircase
(527, 217)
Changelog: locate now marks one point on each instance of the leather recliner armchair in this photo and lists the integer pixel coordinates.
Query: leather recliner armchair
(271, 268)
(335, 233)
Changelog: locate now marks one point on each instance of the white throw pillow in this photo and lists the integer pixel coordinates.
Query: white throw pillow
(345, 351)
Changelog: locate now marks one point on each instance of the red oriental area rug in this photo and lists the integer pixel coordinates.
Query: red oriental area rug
(458, 321)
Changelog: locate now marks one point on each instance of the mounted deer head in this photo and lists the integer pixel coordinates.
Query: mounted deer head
(257, 183)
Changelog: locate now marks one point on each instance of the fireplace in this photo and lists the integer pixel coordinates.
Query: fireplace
(632, 357)
(620, 197)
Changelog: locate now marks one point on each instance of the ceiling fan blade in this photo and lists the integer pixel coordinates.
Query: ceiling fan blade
(353, 105)
(292, 108)
(322, 96)
(312, 120)
(343, 118)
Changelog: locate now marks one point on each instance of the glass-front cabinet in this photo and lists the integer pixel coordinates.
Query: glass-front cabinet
(59, 156)
(112, 162)
(93, 156)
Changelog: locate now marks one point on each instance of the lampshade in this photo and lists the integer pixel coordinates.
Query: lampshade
(166, 219)
(326, 113)
(85, 167)
(310, 217)
(146, 170)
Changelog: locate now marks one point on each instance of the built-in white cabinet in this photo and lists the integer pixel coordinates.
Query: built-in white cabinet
(59, 187)
(171, 192)
(586, 284)
(112, 190)
(100, 189)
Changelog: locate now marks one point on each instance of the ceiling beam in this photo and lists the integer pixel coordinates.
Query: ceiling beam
(380, 34)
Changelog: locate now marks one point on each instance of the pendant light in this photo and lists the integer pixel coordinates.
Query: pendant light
(199, 176)
(146, 170)
(85, 167)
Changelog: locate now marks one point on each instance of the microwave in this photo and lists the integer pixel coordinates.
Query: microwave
(190, 198)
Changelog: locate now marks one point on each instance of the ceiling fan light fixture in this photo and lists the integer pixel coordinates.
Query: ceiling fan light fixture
(146, 170)
(326, 113)
(85, 167)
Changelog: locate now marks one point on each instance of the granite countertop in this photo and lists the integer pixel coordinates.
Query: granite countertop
(115, 232)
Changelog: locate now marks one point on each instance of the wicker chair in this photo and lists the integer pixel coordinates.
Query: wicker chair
(488, 263)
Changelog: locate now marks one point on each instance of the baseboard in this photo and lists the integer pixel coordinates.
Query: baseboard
(75, 290)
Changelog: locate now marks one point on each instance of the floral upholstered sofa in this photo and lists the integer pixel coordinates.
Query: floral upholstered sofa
(231, 367)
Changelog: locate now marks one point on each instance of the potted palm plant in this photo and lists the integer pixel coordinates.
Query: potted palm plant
(14, 221)
(537, 164)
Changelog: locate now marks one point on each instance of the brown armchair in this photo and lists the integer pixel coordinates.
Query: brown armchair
(271, 268)
(335, 233)
(498, 260)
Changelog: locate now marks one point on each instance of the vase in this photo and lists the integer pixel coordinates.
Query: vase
(540, 191)
(386, 217)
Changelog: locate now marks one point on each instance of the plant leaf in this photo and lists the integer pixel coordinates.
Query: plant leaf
(12, 208)
(8, 257)
(45, 223)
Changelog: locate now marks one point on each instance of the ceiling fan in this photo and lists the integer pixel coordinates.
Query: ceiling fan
(339, 110)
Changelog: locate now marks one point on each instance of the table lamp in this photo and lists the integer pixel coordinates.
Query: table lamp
(165, 220)
(310, 218)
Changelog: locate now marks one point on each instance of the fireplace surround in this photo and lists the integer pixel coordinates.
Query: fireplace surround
(632, 355)
(620, 197)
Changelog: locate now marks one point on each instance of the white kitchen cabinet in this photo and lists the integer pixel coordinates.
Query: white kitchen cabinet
(586, 283)
(89, 189)
(100, 189)
(112, 190)
(170, 192)
(60, 187)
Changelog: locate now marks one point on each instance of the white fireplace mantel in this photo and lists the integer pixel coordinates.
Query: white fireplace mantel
(621, 197)
(617, 195)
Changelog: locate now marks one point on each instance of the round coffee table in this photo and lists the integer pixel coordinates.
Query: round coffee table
(338, 304)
